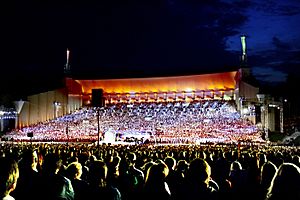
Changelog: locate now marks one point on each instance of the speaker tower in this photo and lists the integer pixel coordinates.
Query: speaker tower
(97, 98)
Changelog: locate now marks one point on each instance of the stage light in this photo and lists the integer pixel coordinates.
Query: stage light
(188, 90)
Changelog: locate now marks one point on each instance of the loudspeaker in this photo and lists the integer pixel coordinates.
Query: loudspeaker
(97, 98)
(30, 134)
(257, 114)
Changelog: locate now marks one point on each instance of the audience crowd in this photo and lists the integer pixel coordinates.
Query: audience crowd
(122, 171)
(197, 150)
(155, 122)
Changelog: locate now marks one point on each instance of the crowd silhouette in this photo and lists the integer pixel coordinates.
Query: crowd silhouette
(82, 171)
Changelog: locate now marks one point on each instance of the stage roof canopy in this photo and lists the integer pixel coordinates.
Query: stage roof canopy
(216, 81)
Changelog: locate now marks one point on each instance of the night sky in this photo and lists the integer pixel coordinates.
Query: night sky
(145, 38)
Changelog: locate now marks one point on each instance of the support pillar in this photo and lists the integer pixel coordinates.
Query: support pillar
(281, 120)
(1, 124)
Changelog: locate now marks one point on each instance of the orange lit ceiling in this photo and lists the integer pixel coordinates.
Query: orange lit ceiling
(216, 81)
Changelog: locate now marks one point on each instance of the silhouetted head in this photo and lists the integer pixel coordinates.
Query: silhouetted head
(157, 173)
(9, 174)
(199, 171)
(268, 171)
(286, 182)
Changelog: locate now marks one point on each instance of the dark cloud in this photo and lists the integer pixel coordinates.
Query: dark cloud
(269, 75)
(288, 10)
(279, 8)
(280, 44)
